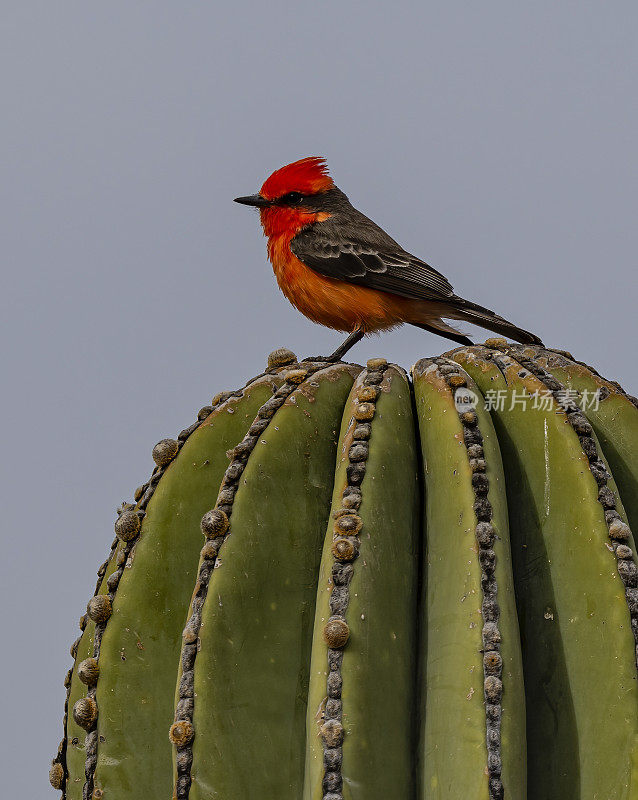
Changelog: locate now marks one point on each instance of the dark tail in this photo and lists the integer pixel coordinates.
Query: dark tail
(483, 317)
(448, 332)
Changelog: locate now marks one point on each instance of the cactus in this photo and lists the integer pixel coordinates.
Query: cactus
(341, 583)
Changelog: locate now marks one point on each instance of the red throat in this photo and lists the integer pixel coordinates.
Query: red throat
(286, 222)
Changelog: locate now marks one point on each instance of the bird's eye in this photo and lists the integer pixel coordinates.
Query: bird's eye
(292, 197)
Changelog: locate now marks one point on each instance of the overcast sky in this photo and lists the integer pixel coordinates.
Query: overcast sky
(497, 140)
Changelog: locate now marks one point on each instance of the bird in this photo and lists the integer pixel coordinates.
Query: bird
(341, 270)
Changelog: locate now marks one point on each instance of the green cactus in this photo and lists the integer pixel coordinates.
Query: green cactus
(407, 589)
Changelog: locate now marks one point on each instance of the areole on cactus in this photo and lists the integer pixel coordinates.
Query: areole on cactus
(408, 588)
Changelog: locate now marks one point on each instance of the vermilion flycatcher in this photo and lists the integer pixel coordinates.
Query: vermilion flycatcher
(342, 270)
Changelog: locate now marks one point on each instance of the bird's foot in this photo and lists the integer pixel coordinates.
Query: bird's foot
(326, 359)
(339, 353)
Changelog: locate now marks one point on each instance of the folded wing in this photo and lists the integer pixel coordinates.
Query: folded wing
(386, 268)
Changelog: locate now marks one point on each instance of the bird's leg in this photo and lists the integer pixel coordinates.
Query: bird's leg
(356, 336)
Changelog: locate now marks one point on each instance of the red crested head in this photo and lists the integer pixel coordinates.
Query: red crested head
(293, 197)
(306, 176)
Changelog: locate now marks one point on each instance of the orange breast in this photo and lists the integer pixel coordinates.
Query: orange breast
(333, 303)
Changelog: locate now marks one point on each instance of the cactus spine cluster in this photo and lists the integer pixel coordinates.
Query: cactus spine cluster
(403, 591)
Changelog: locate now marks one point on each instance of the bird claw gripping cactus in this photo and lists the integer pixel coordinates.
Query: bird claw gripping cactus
(404, 590)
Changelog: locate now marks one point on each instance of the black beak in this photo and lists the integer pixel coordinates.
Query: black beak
(253, 200)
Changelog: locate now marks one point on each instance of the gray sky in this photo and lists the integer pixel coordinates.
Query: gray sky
(497, 140)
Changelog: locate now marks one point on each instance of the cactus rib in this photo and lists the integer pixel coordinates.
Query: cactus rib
(59, 775)
(363, 661)
(468, 605)
(619, 532)
(345, 548)
(133, 517)
(347, 529)
(185, 712)
(493, 685)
